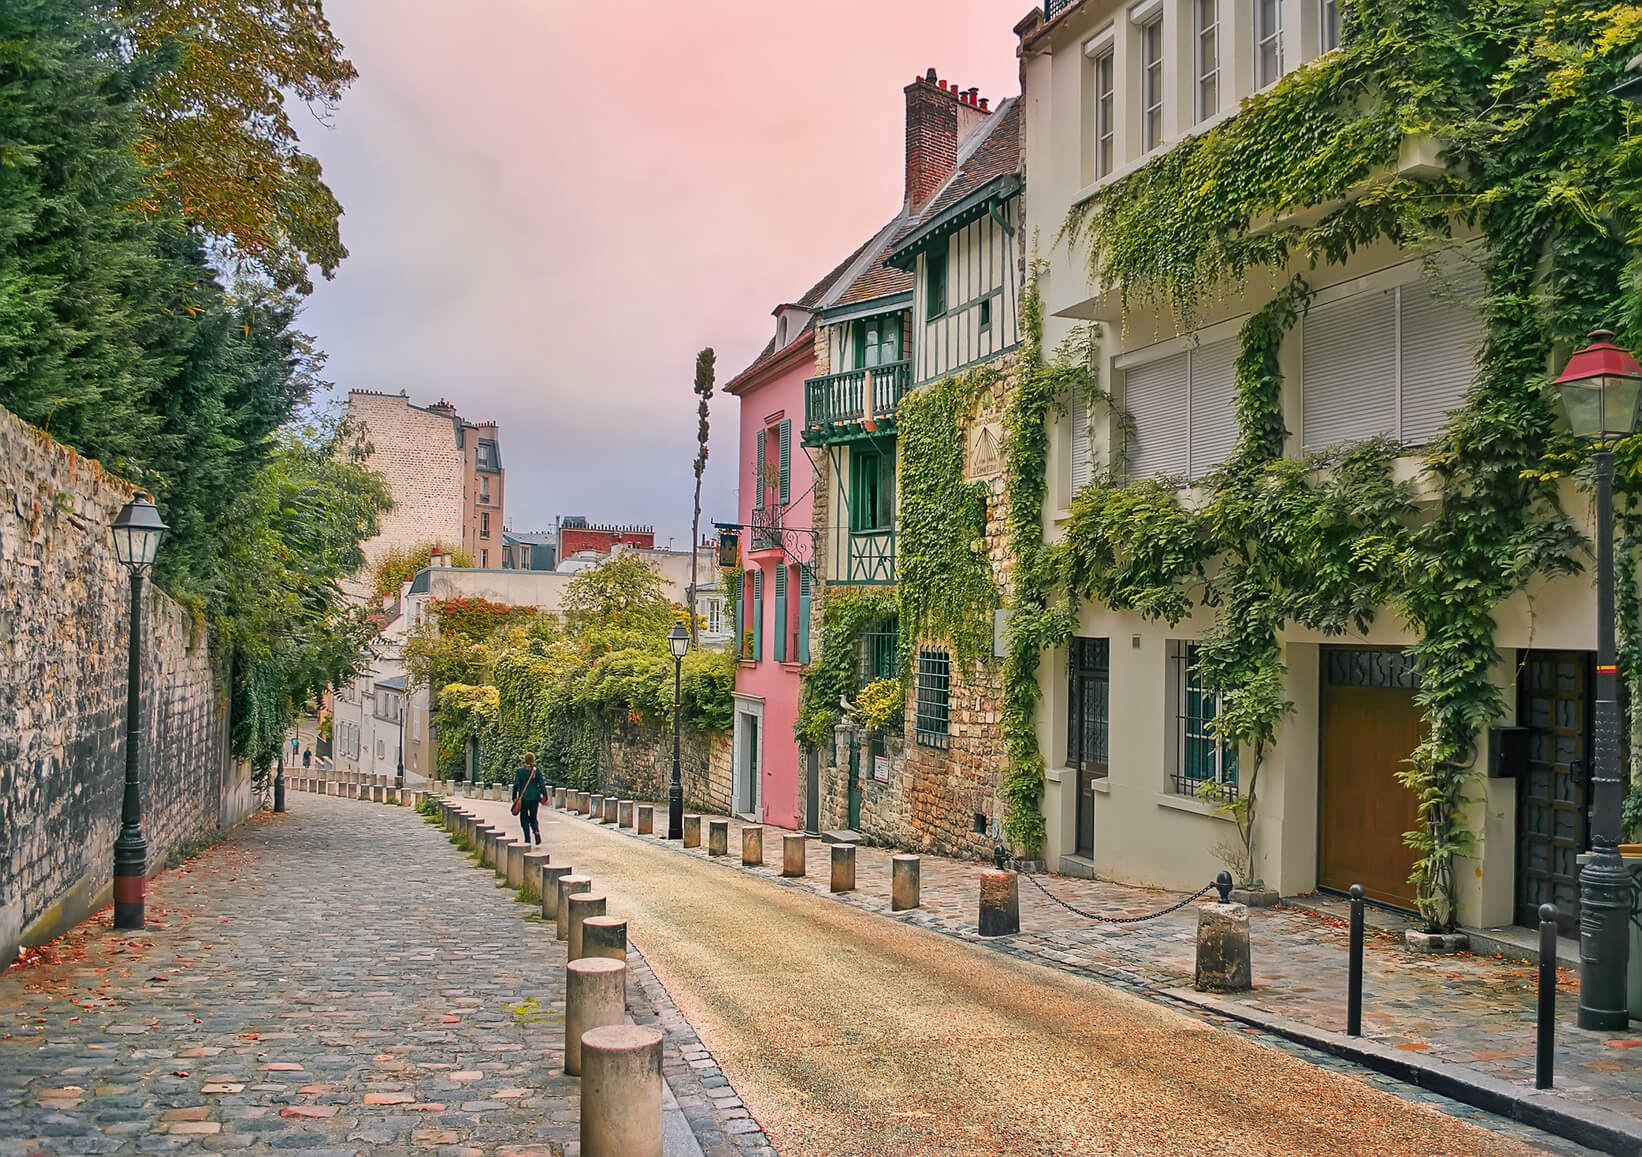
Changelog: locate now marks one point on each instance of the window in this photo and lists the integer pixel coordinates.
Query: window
(484, 488)
(1268, 41)
(1104, 131)
(1208, 57)
(715, 616)
(779, 643)
(872, 490)
(804, 594)
(1183, 410)
(1151, 84)
(1089, 669)
(933, 697)
(881, 648)
(484, 558)
(1201, 756)
(1078, 419)
(1328, 25)
(484, 524)
(935, 281)
(490, 456)
(877, 342)
(986, 314)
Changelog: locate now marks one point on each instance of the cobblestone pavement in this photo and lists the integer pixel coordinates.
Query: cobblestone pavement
(847, 1033)
(338, 980)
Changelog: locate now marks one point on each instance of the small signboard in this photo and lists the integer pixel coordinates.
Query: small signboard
(880, 768)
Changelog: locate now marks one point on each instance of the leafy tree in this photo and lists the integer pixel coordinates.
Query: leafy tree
(401, 563)
(623, 596)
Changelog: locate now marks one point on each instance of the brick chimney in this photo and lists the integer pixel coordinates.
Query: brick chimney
(932, 137)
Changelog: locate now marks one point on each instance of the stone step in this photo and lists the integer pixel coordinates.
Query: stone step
(844, 836)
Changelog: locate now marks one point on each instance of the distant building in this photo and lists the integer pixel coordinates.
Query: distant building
(536, 550)
(574, 534)
(445, 474)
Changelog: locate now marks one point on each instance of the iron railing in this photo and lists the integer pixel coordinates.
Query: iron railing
(766, 528)
(871, 557)
(837, 398)
(1053, 8)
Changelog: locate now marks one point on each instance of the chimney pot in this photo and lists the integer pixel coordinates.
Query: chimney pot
(943, 86)
(930, 76)
(983, 103)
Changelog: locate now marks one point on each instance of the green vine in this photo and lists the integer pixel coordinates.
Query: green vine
(846, 612)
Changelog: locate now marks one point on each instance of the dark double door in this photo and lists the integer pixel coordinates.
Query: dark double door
(1554, 703)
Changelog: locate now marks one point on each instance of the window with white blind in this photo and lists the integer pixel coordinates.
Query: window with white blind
(1183, 410)
(1078, 421)
(1389, 363)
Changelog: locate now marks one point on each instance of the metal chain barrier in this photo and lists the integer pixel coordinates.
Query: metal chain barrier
(1201, 892)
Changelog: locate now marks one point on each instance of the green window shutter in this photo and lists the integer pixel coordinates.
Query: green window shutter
(738, 613)
(758, 613)
(804, 613)
(886, 490)
(760, 457)
(784, 437)
(858, 339)
(780, 648)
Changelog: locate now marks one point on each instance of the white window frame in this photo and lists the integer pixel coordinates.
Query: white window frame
(1205, 71)
(1153, 130)
(1181, 656)
(1188, 344)
(1264, 36)
(1101, 53)
(1328, 18)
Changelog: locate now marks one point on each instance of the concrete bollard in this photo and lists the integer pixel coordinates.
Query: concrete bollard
(692, 831)
(1223, 948)
(595, 995)
(624, 814)
(558, 797)
(843, 867)
(534, 861)
(647, 819)
(503, 842)
(595, 810)
(604, 936)
(718, 837)
(621, 1091)
(569, 886)
(551, 875)
(582, 905)
(904, 871)
(752, 845)
(584, 803)
(516, 863)
(1000, 903)
(611, 809)
(792, 854)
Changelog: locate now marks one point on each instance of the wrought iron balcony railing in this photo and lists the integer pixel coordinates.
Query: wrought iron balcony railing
(766, 528)
(1053, 8)
(838, 398)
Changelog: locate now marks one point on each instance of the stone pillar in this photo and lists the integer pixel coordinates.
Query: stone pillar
(611, 809)
(503, 840)
(1000, 903)
(586, 799)
(569, 886)
(621, 1091)
(516, 863)
(534, 861)
(624, 817)
(604, 936)
(718, 837)
(904, 872)
(692, 831)
(843, 867)
(558, 797)
(582, 905)
(647, 819)
(551, 875)
(792, 854)
(752, 845)
(595, 995)
(1223, 948)
(595, 808)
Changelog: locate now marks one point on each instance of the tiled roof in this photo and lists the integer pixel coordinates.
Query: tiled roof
(995, 154)
(876, 279)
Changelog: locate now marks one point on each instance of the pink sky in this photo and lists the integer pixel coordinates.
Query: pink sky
(551, 207)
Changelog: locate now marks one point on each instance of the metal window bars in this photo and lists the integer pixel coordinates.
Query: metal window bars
(933, 702)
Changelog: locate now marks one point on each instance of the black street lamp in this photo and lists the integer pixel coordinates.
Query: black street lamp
(137, 532)
(399, 774)
(1600, 388)
(678, 642)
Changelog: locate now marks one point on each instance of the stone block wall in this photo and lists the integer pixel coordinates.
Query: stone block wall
(415, 448)
(638, 764)
(64, 625)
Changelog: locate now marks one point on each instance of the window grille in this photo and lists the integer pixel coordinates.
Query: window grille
(882, 647)
(1202, 757)
(933, 701)
(1087, 725)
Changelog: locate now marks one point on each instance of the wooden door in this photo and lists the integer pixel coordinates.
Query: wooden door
(1554, 704)
(1370, 726)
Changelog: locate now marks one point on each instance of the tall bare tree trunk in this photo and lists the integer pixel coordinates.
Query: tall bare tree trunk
(704, 391)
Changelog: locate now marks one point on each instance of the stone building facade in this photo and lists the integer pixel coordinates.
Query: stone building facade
(638, 764)
(64, 625)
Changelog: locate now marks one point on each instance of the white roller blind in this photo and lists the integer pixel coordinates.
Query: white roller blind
(1349, 370)
(1214, 405)
(1155, 396)
(1078, 417)
(1441, 334)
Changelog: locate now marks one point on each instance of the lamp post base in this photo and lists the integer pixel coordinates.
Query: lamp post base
(1604, 940)
(130, 885)
(675, 812)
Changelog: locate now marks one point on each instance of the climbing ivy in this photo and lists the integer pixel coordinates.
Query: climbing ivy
(846, 612)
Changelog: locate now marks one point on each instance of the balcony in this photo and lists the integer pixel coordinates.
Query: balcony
(765, 539)
(869, 558)
(1053, 8)
(833, 404)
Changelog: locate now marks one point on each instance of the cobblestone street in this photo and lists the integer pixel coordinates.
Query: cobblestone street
(338, 980)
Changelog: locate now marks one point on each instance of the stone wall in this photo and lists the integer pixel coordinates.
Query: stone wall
(638, 764)
(416, 450)
(64, 625)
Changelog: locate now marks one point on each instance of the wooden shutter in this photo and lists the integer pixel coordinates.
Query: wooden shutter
(803, 613)
(758, 613)
(886, 489)
(784, 439)
(1349, 370)
(1155, 395)
(1214, 405)
(1079, 415)
(1441, 334)
(780, 648)
(760, 457)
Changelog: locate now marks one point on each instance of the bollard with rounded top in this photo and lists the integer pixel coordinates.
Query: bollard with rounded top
(904, 871)
(551, 875)
(1222, 948)
(604, 936)
(843, 867)
(692, 831)
(595, 810)
(569, 886)
(647, 819)
(503, 840)
(718, 837)
(558, 797)
(621, 1091)
(595, 995)
(792, 854)
(535, 861)
(1000, 903)
(624, 816)
(752, 845)
(587, 799)
(582, 905)
(516, 850)
(487, 846)
(611, 805)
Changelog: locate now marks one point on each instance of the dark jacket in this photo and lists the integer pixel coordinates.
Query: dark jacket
(533, 793)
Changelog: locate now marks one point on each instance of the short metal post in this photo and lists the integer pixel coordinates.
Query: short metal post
(279, 783)
(1354, 981)
(1543, 1059)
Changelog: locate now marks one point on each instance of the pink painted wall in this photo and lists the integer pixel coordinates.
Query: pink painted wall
(763, 407)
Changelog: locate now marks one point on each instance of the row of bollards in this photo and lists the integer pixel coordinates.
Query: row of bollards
(355, 785)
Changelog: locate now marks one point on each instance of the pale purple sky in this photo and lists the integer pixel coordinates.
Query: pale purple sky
(550, 207)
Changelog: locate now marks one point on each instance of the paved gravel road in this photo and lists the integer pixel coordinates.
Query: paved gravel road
(847, 1033)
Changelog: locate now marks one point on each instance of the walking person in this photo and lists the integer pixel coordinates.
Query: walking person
(307, 757)
(527, 794)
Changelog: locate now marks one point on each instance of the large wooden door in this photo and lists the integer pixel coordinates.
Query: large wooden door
(1370, 726)
(1554, 704)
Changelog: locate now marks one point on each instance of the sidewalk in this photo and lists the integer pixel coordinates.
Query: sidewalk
(1473, 1014)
